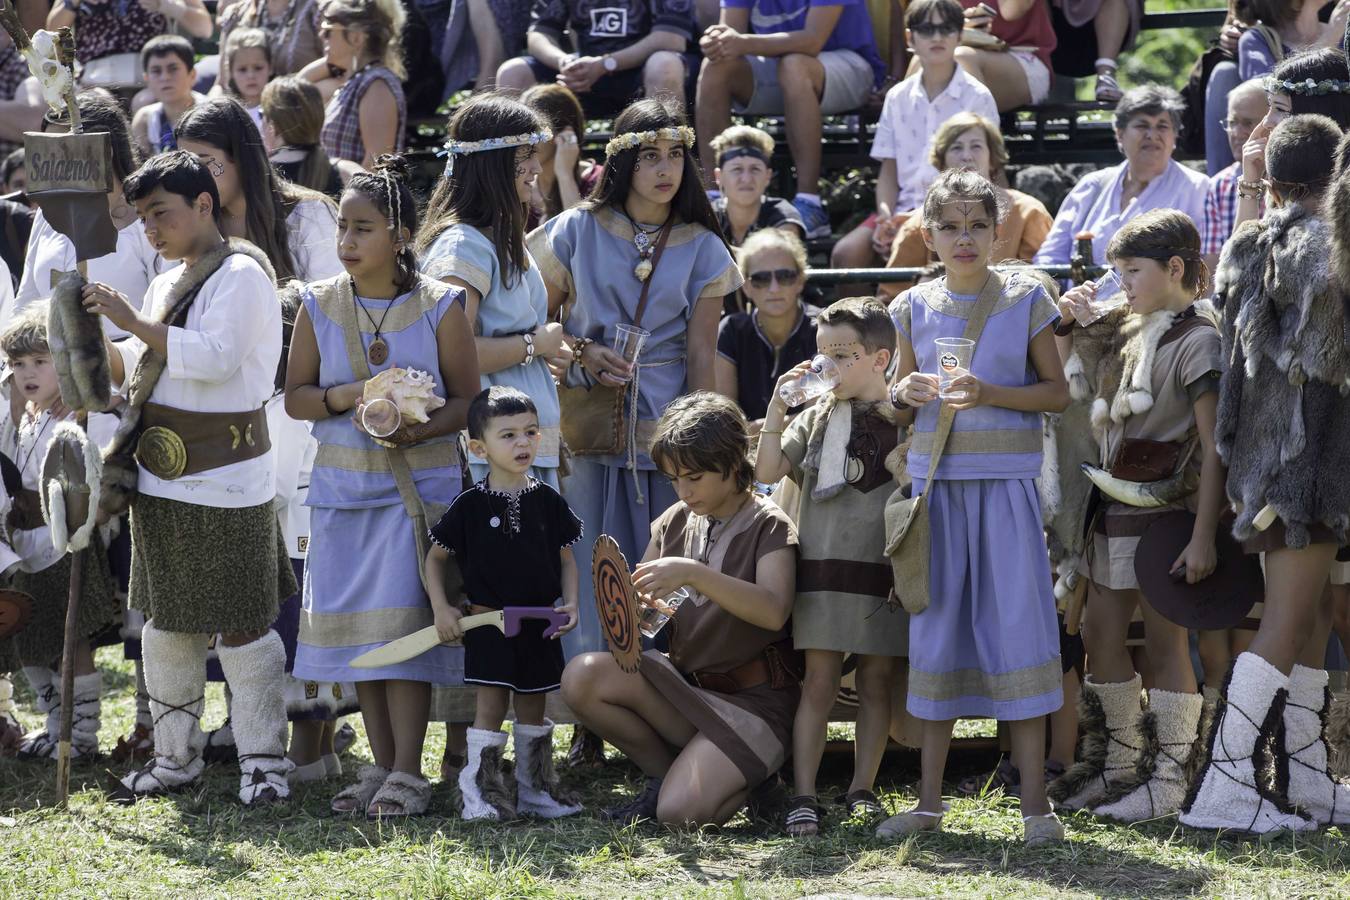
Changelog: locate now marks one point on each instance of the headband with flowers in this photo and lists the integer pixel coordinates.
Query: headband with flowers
(451, 149)
(1308, 87)
(631, 140)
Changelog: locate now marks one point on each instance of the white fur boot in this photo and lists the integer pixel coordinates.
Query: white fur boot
(256, 674)
(1312, 790)
(175, 679)
(88, 715)
(536, 782)
(1227, 793)
(1168, 730)
(480, 781)
(1109, 716)
(47, 692)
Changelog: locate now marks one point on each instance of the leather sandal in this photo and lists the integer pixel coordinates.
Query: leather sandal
(863, 805)
(1042, 831)
(408, 795)
(355, 798)
(804, 813)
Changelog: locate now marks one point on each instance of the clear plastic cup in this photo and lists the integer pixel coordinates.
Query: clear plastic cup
(629, 341)
(380, 417)
(954, 356)
(657, 613)
(821, 378)
(1109, 295)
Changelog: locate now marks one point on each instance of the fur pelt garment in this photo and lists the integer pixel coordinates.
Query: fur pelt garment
(828, 443)
(1284, 416)
(120, 471)
(75, 337)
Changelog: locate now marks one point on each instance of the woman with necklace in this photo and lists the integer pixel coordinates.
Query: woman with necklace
(598, 259)
(360, 76)
(372, 503)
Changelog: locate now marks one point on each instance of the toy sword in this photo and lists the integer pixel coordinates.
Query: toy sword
(507, 620)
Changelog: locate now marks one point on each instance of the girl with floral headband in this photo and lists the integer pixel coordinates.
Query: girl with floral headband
(647, 233)
(473, 237)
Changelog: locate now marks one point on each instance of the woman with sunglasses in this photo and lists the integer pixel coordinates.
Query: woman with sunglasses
(754, 349)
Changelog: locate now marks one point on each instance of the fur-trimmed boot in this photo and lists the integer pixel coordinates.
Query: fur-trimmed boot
(256, 673)
(1312, 790)
(1159, 784)
(537, 791)
(47, 698)
(88, 715)
(1235, 789)
(175, 679)
(1109, 717)
(1338, 735)
(480, 781)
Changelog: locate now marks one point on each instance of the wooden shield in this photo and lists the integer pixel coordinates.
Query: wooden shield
(616, 602)
(15, 609)
(65, 464)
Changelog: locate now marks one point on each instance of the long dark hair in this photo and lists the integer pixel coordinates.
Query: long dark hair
(482, 191)
(1328, 63)
(691, 200)
(100, 111)
(561, 109)
(223, 123)
(387, 188)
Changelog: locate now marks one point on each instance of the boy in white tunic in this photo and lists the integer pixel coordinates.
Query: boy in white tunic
(206, 556)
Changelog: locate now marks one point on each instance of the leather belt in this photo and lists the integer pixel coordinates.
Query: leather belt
(178, 442)
(742, 678)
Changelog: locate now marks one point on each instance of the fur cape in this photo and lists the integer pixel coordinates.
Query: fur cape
(1284, 418)
(826, 448)
(79, 356)
(120, 470)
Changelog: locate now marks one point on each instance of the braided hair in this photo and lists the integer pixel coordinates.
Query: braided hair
(387, 188)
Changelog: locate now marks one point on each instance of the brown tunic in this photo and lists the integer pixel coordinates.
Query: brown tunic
(752, 727)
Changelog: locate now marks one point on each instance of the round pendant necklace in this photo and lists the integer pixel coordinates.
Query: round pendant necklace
(379, 348)
(642, 240)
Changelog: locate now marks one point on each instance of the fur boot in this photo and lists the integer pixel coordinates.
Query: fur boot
(1159, 784)
(1108, 717)
(480, 781)
(88, 715)
(1338, 735)
(1312, 790)
(175, 678)
(47, 692)
(256, 673)
(1235, 790)
(537, 791)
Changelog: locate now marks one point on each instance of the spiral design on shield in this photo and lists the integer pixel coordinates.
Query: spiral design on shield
(614, 602)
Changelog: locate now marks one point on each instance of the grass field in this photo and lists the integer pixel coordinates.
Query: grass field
(203, 844)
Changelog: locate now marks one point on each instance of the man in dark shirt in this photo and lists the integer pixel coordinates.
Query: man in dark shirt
(624, 49)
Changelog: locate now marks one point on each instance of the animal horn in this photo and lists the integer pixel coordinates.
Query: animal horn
(1146, 495)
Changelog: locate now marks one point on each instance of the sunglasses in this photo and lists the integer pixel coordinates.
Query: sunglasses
(782, 276)
(930, 30)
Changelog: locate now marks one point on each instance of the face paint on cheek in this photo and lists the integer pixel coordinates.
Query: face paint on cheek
(849, 349)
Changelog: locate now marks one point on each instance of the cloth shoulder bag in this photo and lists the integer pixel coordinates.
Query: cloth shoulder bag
(593, 417)
(908, 540)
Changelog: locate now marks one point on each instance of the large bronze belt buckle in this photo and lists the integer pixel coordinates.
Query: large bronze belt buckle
(162, 451)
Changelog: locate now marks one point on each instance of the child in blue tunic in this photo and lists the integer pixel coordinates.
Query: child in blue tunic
(988, 644)
(512, 536)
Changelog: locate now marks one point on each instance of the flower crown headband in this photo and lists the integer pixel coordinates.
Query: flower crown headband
(1308, 87)
(631, 140)
(451, 149)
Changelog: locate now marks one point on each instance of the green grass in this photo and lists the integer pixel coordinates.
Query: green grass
(203, 844)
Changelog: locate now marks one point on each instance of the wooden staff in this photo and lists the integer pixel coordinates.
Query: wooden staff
(65, 49)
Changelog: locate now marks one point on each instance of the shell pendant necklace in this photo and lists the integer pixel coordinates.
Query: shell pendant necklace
(379, 348)
(642, 240)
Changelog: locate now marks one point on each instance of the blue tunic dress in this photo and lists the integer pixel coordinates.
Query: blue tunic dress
(363, 586)
(988, 645)
(590, 255)
(464, 252)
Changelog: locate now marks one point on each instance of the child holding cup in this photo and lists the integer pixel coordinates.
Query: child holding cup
(987, 645)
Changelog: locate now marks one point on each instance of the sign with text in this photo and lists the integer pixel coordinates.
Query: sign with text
(68, 162)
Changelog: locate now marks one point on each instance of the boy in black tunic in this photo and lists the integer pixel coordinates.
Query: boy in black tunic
(512, 536)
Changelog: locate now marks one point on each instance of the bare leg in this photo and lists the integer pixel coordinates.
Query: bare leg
(819, 690)
(1104, 632)
(663, 77)
(492, 704)
(1294, 583)
(702, 787)
(803, 80)
(307, 742)
(873, 680)
(625, 710)
(1000, 73)
(1064, 723)
(1216, 655)
(515, 75)
(375, 716)
(937, 740)
(1314, 655)
(719, 83)
(1028, 754)
(1169, 653)
(529, 708)
(491, 53)
(409, 703)
(84, 659)
(1110, 24)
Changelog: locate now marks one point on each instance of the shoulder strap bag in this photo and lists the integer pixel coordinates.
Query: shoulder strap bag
(907, 532)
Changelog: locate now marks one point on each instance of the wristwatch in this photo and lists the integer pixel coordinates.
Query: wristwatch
(610, 63)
